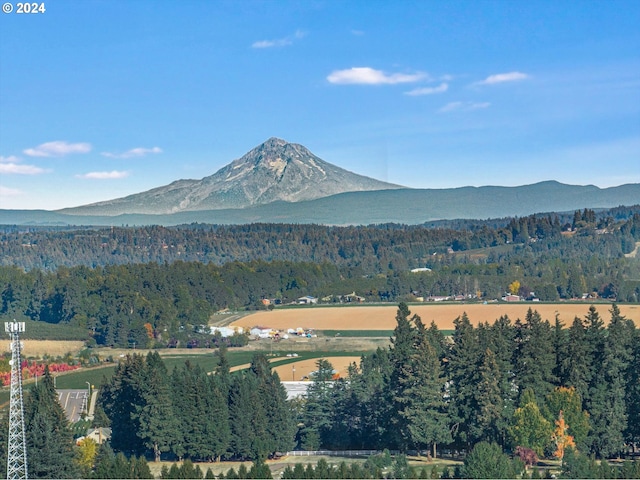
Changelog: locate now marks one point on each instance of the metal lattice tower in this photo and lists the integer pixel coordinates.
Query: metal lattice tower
(17, 445)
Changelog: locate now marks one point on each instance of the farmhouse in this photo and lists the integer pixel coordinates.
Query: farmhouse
(225, 331)
(511, 298)
(308, 300)
(352, 297)
(98, 435)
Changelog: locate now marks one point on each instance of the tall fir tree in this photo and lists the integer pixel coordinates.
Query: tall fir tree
(279, 427)
(401, 351)
(371, 388)
(319, 407)
(489, 422)
(576, 362)
(535, 358)
(595, 335)
(121, 398)
(49, 438)
(423, 390)
(462, 371)
(608, 405)
(156, 415)
(632, 395)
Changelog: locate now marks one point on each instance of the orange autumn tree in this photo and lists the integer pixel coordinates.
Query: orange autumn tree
(561, 437)
(149, 328)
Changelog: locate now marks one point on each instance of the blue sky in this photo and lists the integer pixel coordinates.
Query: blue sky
(101, 99)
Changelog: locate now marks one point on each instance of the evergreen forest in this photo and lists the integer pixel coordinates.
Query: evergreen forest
(150, 285)
(508, 393)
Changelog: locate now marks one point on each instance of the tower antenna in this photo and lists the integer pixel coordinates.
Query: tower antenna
(17, 445)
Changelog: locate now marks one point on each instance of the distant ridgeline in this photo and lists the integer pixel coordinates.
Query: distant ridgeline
(372, 249)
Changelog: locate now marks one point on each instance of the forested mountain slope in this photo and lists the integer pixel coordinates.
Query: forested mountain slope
(160, 277)
(372, 249)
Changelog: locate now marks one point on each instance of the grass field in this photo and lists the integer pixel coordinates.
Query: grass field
(279, 465)
(53, 348)
(382, 317)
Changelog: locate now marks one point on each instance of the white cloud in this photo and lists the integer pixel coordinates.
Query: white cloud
(11, 166)
(9, 192)
(113, 175)
(57, 149)
(134, 152)
(370, 76)
(443, 87)
(279, 42)
(283, 42)
(464, 106)
(503, 77)
(357, 33)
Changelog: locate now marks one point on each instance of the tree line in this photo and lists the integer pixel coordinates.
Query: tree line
(187, 413)
(151, 304)
(371, 249)
(531, 388)
(508, 382)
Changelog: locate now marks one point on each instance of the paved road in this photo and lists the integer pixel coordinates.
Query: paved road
(296, 389)
(74, 403)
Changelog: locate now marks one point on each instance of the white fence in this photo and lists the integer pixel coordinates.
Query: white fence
(333, 453)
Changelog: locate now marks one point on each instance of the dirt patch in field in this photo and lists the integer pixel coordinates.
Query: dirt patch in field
(383, 317)
(305, 367)
(53, 348)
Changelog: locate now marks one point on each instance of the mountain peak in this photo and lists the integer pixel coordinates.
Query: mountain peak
(275, 170)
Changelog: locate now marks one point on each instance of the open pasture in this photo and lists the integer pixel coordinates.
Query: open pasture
(304, 367)
(382, 317)
(39, 348)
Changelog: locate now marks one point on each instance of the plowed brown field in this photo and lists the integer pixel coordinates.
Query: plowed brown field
(383, 317)
(304, 367)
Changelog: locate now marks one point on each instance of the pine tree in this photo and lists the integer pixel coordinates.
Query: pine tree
(156, 416)
(279, 429)
(4, 438)
(423, 387)
(576, 363)
(49, 438)
(462, 370)
(121, 399)
(535, 357)
(488, 423)
(375, 408)
(401, 350)
(607, 406)
(219, 411)
(248, 428)
(198, 426)
(632, 396)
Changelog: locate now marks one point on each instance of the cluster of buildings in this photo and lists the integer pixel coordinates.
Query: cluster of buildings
(309, 300)
(273, 334)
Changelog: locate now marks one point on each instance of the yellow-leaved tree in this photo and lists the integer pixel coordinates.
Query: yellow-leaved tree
(86, 453)
(514, 287)
(561, 438)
